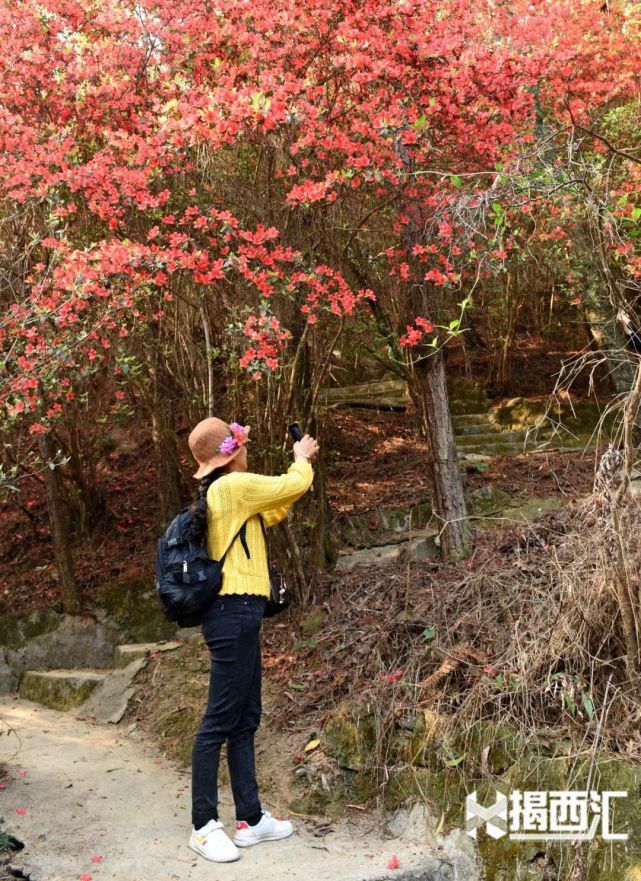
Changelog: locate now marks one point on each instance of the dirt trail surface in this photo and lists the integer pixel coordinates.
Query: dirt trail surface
(90, 791)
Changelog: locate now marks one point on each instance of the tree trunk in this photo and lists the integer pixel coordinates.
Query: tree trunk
(429, 390)
(59, 529)
(322, 553)
(163, 433)
(314, 550)
(86, 497)
(606, 336)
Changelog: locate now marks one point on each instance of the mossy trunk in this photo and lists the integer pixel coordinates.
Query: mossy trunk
(59, 528)
(429, 391)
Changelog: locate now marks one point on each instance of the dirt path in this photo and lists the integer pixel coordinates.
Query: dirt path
(90, 791)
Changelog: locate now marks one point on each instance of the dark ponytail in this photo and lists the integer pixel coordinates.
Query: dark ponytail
(198, 508)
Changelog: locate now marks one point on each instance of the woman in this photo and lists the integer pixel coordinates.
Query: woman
(230, 495)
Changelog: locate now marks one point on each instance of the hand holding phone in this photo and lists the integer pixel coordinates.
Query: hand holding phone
(304, 445)
(295, 431)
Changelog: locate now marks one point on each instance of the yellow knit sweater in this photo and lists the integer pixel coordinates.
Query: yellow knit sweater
(239, 496)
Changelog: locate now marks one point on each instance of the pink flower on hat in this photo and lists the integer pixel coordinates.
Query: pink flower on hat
(236, 439)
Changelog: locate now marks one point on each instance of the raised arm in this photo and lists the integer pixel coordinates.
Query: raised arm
(275, 515)
(257, 493)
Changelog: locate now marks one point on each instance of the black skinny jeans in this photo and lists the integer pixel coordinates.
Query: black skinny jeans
(231, 628)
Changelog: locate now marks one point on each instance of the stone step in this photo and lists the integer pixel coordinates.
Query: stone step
(125, 654)
(59, 689)
(476, 428)
(378, 394)
(494, 449)
(470, 419)
(502, 437)
(420, 548)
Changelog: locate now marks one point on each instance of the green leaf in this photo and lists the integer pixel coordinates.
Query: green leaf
(636, 213)
(456, 181)
(588, 705)
(497, 208)
(296, 686)
(453, 325)
(569, 703)
(429, 633)
(452, 763)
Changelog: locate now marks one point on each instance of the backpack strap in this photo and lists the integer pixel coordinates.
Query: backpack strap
(242, 533)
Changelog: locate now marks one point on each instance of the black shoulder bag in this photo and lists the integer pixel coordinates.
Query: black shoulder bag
(280, 596)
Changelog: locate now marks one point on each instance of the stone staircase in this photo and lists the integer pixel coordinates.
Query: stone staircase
(477, 433)
(475, 430)
(93, 693)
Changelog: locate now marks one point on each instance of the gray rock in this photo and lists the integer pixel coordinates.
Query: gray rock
(367, 556)
(488, 499)
(413, 824)
(9, 678)
(423, 547)
(108, 702)
(383, 526)
(125, 654)
(49, 640)
(59, 689)
(188, 634)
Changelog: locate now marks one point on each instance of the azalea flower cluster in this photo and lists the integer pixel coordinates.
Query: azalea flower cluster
(268, 339)
(416, 333)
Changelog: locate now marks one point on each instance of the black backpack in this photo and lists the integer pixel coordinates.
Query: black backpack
(187, 579)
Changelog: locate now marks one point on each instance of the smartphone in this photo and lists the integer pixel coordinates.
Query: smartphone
(295, 431)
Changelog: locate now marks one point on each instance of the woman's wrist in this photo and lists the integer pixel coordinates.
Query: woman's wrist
(300, 456)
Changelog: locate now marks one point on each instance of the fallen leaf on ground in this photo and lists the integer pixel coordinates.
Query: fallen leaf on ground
(312, 745)
(392, 677)
(393, 863)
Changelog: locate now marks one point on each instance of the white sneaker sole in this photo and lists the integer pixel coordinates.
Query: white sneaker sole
(274, 836)
(201, 851)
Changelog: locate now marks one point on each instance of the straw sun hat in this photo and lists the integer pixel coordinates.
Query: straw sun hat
(207, 439)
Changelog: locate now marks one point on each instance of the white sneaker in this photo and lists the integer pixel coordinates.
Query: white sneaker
(213, 844)
(268, 829)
